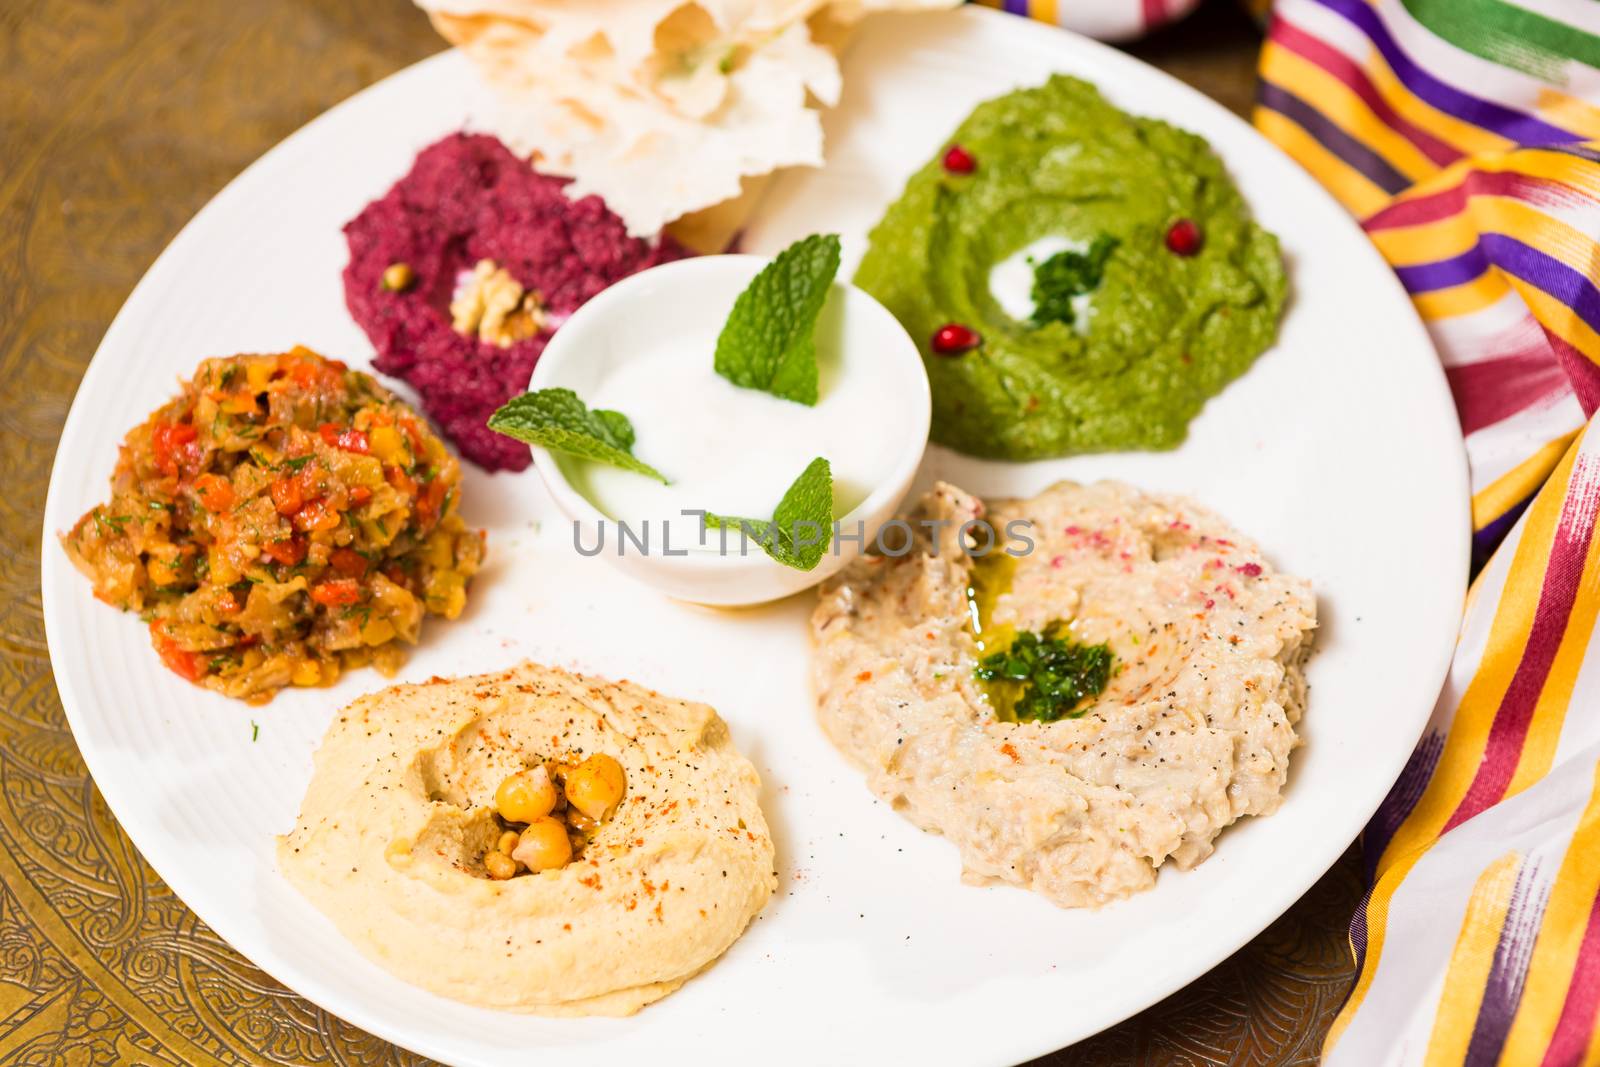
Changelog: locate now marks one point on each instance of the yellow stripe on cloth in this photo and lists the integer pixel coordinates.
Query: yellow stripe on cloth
(1468, 970)
(1555, 950)
(1570, 112)
(1428, 242)
(1519, 483)
(1484, 291)
(1526, 223)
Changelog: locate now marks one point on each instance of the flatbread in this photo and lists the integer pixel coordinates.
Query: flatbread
(661, 107)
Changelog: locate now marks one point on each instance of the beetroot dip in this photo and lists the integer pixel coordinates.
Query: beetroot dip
(469, 198)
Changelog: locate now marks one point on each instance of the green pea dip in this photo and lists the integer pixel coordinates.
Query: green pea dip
(1162, 331)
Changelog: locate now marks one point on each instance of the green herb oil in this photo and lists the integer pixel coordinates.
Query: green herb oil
(1028, 676)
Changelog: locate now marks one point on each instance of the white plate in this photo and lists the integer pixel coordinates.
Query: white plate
(1339, 450)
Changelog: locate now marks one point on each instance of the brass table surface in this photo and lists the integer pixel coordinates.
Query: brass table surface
(118, 120)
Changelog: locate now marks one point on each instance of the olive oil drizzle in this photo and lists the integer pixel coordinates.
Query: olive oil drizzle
(989, 579)
(1051, 677)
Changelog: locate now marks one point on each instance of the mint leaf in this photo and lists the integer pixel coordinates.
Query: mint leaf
(1066, 275)
(805, 514)
(556, 419)
(767, 342)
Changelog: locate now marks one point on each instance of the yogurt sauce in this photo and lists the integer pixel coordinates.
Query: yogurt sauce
(736, 451)
(1011, 280)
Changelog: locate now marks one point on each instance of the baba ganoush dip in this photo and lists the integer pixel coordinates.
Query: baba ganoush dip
(1080, 800)
(533, 840)
(1079, 279)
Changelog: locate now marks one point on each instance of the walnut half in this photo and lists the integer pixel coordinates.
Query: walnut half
(491, 305)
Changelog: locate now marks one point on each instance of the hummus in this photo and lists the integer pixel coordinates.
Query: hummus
(1179, 290)
(394, 828)
(1192, 730)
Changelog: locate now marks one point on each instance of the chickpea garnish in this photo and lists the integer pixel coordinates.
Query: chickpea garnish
(595, 786)
(560, 804)
(397, 277)
(544, 845)
(499, 865)
(526, 796)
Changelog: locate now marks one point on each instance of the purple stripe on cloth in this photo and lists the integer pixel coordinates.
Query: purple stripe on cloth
(1486, 540)
(1017, 7)
(1547, 273)
(1502, 990)
(1402, 798)
(1376, 169)
(1515, 125)
(1443, 273)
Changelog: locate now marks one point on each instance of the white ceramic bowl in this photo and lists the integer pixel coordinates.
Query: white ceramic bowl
(693, 298)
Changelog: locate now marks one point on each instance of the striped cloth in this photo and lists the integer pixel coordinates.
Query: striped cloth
(1109, 20)
(1460, 135)
(1465, 135)
(1479, 942)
